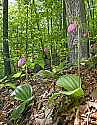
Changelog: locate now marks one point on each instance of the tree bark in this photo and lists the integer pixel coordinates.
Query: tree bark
(75, 9)
(7, 64)
(64, 20)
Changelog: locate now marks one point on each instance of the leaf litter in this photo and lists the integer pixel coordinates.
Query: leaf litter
(41, 113)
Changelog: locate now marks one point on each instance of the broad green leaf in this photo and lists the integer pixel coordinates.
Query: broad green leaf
(71, 85)
(63, 82)
(75, 79)
(69, 82)
(23, 92)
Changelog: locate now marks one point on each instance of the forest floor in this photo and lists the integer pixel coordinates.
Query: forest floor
(59, 113)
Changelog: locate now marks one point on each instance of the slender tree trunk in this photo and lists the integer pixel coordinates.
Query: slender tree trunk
(64, 20)
(76, 9)
(7, 65)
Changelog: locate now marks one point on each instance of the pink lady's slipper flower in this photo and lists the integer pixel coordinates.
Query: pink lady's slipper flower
(72, 27)
(46, 50)
(21, 61)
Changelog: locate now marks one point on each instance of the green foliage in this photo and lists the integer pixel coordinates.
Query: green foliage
(69, 82)
(71, 85)
(91, 63)
(54, 96)
(8, 85)
(58, 68)
(16, 113)
(31, 31)
(17, 75)
(43, 74)
(3, 79)
(22, 93)
(31, 63)
(31, 34)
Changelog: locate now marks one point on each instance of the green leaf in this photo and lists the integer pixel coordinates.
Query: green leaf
(71, 85)
(69, 82)
(17, 75)
(16, 113)
(23, 92)
(77, 92)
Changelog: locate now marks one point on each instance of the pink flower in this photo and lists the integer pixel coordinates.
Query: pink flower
(21, 61)
(46, 50)
(72, 28)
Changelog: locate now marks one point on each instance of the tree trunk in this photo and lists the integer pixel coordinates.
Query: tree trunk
(7, 65)
(75, 9)
(64, 20)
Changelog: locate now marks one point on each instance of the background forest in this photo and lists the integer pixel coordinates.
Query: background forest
(35, 26)
(48, 62)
